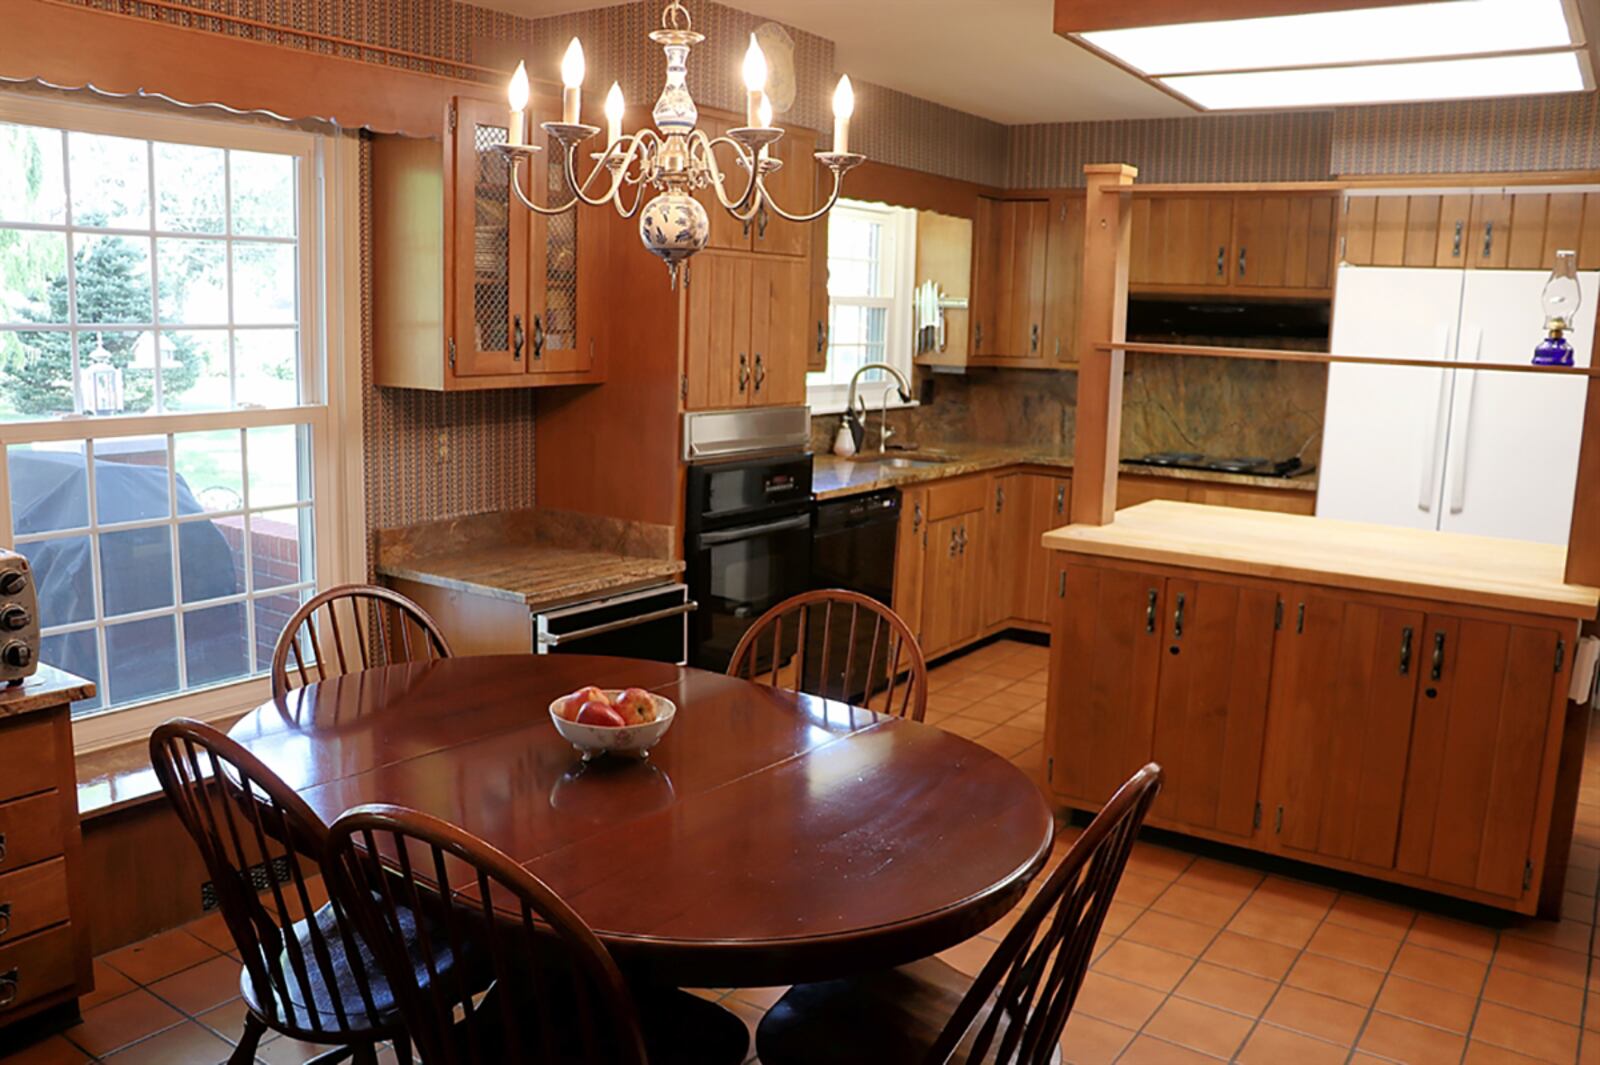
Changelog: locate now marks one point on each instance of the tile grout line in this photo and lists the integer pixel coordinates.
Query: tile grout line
(1372, 1007)
(1284, 982)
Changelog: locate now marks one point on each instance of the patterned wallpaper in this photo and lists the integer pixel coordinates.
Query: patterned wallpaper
(1287, 146)
(1526, 133)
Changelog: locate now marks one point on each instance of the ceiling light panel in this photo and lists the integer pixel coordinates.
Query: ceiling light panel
(1453, 28)
(1455, 79)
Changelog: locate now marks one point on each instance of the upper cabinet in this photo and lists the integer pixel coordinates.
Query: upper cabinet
(471, 290)
(1496, 230)
(1268, 245)
(1025, 286)
(791, 185)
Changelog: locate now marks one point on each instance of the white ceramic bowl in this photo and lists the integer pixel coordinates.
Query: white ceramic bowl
(634, 740)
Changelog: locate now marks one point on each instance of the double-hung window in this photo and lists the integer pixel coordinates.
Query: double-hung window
(871, 258)
(168, 443)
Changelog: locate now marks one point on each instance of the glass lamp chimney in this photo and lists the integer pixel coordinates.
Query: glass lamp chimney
(1561, 299)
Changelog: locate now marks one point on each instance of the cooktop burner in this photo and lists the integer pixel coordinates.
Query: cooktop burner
(1193, 460)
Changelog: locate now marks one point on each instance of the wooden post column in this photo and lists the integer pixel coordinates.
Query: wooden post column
(1102, 316)
(1583, 542)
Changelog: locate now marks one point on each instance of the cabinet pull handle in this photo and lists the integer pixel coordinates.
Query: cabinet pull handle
(761, 372)
(2, 846)
(977, 339)
(1455, 245)
(1061, 585)
(538, 337)
(1222, 260)
(1150, 611)
(1177, 619)
(953, 544)
(1405, 651)
(744, 371)
(1058, 349)
(761, 225)
(1242, 253)
(1438, 656)
(1035, 338)
(8, 986)
(517, 337)
(747, 227)
(999, 498)
(963, 531)
(1488, 239)
(822, 336)
(5, 918)
(916, 516)
(1061, 498)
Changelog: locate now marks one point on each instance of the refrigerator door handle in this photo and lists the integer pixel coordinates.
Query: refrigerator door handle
(1461, 434)
(1428, 490)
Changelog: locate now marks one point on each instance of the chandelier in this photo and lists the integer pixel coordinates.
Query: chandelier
(675, 158)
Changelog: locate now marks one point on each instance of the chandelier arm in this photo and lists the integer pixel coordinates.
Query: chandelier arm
(717, 176)
(833, 198)
(638, 201)
(579, 188)
(548, 212)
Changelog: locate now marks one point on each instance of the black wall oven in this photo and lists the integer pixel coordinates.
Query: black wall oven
(747, 546)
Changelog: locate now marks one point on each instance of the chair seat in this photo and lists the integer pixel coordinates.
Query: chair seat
(679, 1029)
(895, 1015)
(341, 1009)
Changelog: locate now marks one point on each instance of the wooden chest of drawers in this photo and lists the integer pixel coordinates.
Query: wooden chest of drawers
(44, 956)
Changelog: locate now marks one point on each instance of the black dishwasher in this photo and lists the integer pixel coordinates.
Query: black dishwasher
(853, 546)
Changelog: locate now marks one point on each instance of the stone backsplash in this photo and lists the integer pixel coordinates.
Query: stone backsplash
(1221, 407)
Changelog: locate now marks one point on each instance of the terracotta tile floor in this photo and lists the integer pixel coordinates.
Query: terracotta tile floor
(1202, 959)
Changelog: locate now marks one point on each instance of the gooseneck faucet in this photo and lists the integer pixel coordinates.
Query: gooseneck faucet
(858, 422)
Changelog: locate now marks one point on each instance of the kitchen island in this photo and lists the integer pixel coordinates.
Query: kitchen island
(1383, 701)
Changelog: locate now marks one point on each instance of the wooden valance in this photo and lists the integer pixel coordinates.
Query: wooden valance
(71, 47)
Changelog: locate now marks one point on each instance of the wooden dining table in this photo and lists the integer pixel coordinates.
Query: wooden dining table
(769, 838)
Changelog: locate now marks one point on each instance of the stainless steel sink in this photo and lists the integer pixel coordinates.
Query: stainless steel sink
(905, 460)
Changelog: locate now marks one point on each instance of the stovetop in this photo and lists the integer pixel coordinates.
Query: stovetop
(1254, 467)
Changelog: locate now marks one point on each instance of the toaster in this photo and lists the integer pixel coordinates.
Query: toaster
(19, 619)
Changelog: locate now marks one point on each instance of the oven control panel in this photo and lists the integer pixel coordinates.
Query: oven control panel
(19, 619)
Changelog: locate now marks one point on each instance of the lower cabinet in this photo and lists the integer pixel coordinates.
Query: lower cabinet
(911, 557)
(1400, 739)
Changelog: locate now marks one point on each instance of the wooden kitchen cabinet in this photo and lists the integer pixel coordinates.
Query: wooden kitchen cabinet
(471, 290)
(954, 570)
(747, 330)
(1005, 549)
(1105, 658)
(793, 186)
(1496, 230)
(911, 557)
(1273, 245)
(1011, 238)
(1049, 507)
(817, 330)
(1063, 279)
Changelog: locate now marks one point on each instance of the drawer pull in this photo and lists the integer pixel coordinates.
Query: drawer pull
(2, 846)
(8, 987)
(5, 918)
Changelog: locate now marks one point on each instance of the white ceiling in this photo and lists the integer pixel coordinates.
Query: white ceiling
(994, 58)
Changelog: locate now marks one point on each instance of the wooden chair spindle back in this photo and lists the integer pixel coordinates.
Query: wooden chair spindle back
(348, 628)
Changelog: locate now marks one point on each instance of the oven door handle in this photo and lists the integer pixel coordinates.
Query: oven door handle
(557, 639)
(728, 536)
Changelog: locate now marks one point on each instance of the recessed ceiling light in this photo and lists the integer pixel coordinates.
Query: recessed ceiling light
(1456, 49)
(1451, 79)
(1414, 31)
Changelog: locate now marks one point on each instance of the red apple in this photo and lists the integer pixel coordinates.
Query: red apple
(567, 707)
(636, 706)
(594, 712)
(590, 694)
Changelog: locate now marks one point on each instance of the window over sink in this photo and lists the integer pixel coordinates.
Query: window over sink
(164, 397)
(871, 261)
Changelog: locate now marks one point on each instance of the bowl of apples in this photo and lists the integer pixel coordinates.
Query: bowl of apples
(600, 721)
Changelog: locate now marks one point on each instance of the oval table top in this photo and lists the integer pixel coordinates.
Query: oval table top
(770, 838)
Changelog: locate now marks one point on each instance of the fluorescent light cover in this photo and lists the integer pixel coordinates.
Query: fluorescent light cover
(1414, 31)
(1451, 79)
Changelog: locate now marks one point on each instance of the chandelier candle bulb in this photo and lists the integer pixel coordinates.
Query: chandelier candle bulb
(572, 71)
(517, 94)
(844, 105)
(764, 112)
(755, 81)
(615, 106)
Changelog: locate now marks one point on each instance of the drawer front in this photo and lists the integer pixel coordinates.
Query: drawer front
(30, 830)
(33, 898)
(27, 756)
(35, 967)
(949, 498)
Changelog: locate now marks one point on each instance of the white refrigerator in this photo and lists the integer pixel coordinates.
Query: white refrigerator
(1486, 453)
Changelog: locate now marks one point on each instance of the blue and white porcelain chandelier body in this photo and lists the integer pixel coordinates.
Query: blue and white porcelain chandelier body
(675, 159)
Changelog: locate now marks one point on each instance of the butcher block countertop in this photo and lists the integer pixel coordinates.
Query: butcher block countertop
(1446, 567)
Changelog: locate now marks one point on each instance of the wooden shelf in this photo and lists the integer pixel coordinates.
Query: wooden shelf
(1275, 355)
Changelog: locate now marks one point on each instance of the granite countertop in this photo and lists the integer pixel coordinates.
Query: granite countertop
(49, 687)
(538, 575)
(834, 477)
(540, 558)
